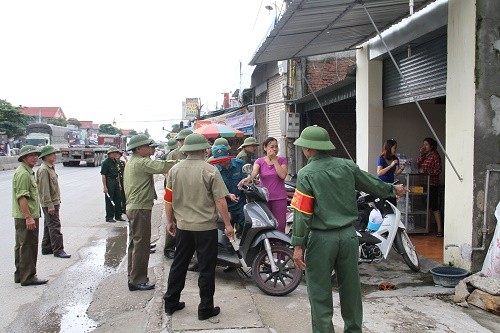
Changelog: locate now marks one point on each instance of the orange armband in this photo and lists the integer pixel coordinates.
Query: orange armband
(303, 203)
(168, 195)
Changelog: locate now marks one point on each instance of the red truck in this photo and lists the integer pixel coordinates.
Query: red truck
(93, 155)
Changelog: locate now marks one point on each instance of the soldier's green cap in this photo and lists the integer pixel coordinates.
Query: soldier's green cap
(314, 137)
(153, 143)
(183, 134)
(137, 141)
(222, 141)
(26, 150)
(250, 141)
(194, 142)
(113, 149)
(172, 144)
(47, 150)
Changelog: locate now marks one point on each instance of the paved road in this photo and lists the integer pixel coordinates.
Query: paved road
(96, 247)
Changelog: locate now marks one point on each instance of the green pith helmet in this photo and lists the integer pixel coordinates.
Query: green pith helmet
(222, 141)
(172, 144)
(137, 141)
(194, 142)
(47, 150)
(183, 134)
(113, 149)
(26, 150)
(153, 143)
(314, 137)
(250, 141)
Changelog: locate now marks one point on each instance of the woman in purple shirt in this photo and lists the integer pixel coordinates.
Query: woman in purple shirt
(272, 171)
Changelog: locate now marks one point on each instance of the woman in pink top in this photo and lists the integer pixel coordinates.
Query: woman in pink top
(272, 171)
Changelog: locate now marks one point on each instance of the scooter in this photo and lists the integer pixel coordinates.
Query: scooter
(376, 240)
(375, 245)
(266, 249)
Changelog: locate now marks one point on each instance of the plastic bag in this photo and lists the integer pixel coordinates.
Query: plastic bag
(491, 264)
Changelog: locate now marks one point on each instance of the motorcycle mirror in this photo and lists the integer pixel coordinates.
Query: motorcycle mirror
(247, 168)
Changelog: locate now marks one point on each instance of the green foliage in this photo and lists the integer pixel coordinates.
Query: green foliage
(58, 122)
(12, 121)
(109, 129)
(75, 122)
(146, 132)
(133, 132)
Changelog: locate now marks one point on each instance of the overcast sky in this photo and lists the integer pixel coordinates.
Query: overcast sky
(127, 60)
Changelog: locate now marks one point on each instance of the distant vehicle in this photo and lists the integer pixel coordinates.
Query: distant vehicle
(41, 134)
(92, 154)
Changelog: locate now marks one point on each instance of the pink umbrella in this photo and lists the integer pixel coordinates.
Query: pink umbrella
(216, 130)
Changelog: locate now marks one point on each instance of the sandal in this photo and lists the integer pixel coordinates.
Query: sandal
(439, 234)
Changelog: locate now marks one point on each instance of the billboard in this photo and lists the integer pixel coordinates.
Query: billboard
(190, 108)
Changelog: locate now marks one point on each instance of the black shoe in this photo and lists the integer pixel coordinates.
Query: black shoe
(35, 282)
(170, 310)
(194, 267)
(142, 286)
(17, 280)
(152, 245)
(120, 219)
(151, 251)
(205, 315)
(62, 254)
(170, 254)
(45, 252)
(110, 220)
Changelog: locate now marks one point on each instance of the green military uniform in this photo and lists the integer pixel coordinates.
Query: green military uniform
(193, 187)
(50, 198)
(140, 194)
(244, 155)
(325, 208)
(26, 247)
(121, 170)
(110, 169)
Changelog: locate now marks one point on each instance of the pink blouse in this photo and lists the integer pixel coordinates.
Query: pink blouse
(270, 179)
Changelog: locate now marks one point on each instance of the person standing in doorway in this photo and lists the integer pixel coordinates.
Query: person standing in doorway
(429, 162)
(26, 213)
(325, 209)
(140, 193)
(272, 171)
(248, 148)
(388, 167)
(195, 192)
(50, 200)
(111, 185)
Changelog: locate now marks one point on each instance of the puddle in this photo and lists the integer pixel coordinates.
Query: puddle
(63, 306)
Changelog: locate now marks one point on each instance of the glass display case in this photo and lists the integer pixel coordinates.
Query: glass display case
(414, 206)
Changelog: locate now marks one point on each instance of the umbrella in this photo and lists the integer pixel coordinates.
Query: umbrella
(216, 130)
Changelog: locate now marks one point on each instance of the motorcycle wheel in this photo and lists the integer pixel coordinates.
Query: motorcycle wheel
(281, 282)
(407, 250)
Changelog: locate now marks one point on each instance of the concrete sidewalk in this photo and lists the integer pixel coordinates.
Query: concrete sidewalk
(416, 305)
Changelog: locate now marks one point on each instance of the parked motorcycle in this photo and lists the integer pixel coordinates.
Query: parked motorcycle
(375, 245)
(266, 249)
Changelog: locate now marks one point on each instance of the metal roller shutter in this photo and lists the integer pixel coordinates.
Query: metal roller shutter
(425, 71)
(275, 111)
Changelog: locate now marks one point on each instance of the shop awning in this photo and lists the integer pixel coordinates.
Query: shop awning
(312, 27)
(336, 92)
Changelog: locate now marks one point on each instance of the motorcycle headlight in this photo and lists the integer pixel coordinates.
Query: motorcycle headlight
(257, 223)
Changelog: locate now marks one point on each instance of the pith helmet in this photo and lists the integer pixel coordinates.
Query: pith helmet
(47, 150)
(26, 150)
(220, 154)
(153, 143)
(113, 149)
(183, 134)
(137, 141)
(250, 141)
(172, 144)
(222, 141)
(194, 142)
(315, 137)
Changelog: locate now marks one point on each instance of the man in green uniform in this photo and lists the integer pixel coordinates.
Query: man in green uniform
(111, 185)
(50, 200)
(195, 192)
(26, 212)
(325, 208)
(121, 169)
(140, 193)
(248, 149)
(175, 154)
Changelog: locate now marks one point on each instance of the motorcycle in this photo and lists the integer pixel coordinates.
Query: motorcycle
(375, 245)
(261, 245)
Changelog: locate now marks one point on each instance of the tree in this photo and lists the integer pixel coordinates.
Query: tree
(108, 129)
(57, 122)
(12, 121)
(146, 132)
(75, 122)
(133, 132)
